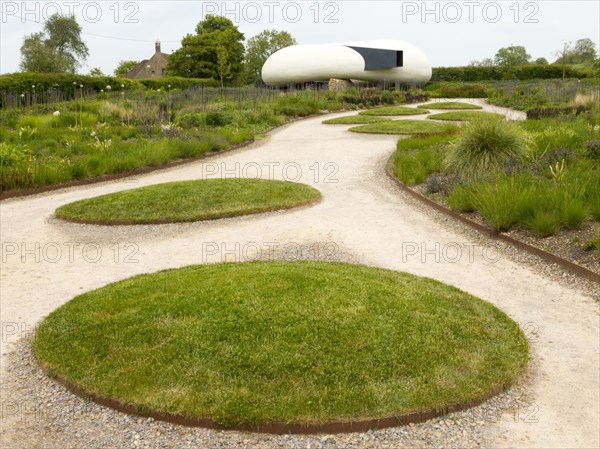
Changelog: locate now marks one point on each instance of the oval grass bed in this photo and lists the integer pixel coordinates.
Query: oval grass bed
(393, 110)
(405, 127)
(449, 105)
(254, 344)
(461, 116)
(188, 201)
(354, 120)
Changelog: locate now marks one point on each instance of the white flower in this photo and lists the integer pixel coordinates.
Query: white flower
(56, 113)
(108, 87)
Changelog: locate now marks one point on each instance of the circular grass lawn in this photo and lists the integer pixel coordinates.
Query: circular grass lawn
(422, 127)
(354, 120)
(461, 116)
(449, 105)
(187, 201)
(292, 342)
(393, 110)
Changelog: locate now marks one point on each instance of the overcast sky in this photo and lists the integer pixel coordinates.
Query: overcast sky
(450, 33)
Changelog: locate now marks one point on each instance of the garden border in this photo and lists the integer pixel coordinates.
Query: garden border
(548, 257)
(17, 193)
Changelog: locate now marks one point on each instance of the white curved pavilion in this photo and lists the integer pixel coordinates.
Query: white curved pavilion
(373, 61)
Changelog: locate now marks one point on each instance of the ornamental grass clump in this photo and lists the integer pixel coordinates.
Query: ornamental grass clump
(485, 146)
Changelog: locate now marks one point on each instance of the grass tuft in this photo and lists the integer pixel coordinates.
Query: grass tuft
(486, 145)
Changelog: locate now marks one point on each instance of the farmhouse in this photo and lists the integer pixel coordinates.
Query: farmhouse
(371, 61)
(150, 68)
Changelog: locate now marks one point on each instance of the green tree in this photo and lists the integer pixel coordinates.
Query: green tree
(512, 56)
(38, 57)
(486, 62)
(58, 49)
(541, 61)
(223, 63)
(198, 56)
(96, 71)
(584, 51)
(125, 67)
(260, 47)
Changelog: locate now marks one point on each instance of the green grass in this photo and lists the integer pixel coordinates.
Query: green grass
(464, 116)
(421, 127)
(449, 105)
(282, 341)
(354, 120)
(187, 201)
(418, 157)
(486, 145)
(393, 110)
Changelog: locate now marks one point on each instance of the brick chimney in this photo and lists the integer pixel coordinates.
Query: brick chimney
(157, 46)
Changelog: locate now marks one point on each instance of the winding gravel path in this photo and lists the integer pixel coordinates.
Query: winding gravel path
(364, 218)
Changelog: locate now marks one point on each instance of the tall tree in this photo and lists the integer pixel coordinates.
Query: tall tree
(260, 47)
(124, 67)
(512, 56)
(38, 57)
(198, 56)
(584, 51)
(58, 49)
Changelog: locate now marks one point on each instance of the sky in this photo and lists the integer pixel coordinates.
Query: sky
(451, 33)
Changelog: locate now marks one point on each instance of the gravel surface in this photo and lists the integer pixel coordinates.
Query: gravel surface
(364, 218)
(51, 417)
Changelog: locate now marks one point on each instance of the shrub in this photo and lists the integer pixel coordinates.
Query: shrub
(460, 199)
(544, 222)
(574, 214)
(538, 113)
(592, 149)
(485, 145)
(191, 120)
(437, 182)
(218, 118)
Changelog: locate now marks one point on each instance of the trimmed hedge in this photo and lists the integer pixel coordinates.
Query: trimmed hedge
(525, 72)
(19, 83)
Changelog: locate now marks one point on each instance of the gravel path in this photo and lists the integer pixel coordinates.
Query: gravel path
(363, 218)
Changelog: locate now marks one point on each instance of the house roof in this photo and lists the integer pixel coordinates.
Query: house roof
(150, 68)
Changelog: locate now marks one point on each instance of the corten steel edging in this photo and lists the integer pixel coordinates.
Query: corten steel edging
(278, 427)
(549, 257)
(144, 170)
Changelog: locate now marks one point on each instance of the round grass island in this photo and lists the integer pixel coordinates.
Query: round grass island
(187, 201)
(282, 346)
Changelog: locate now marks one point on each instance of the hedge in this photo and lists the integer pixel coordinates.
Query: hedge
(495, 73)
(19, 83)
